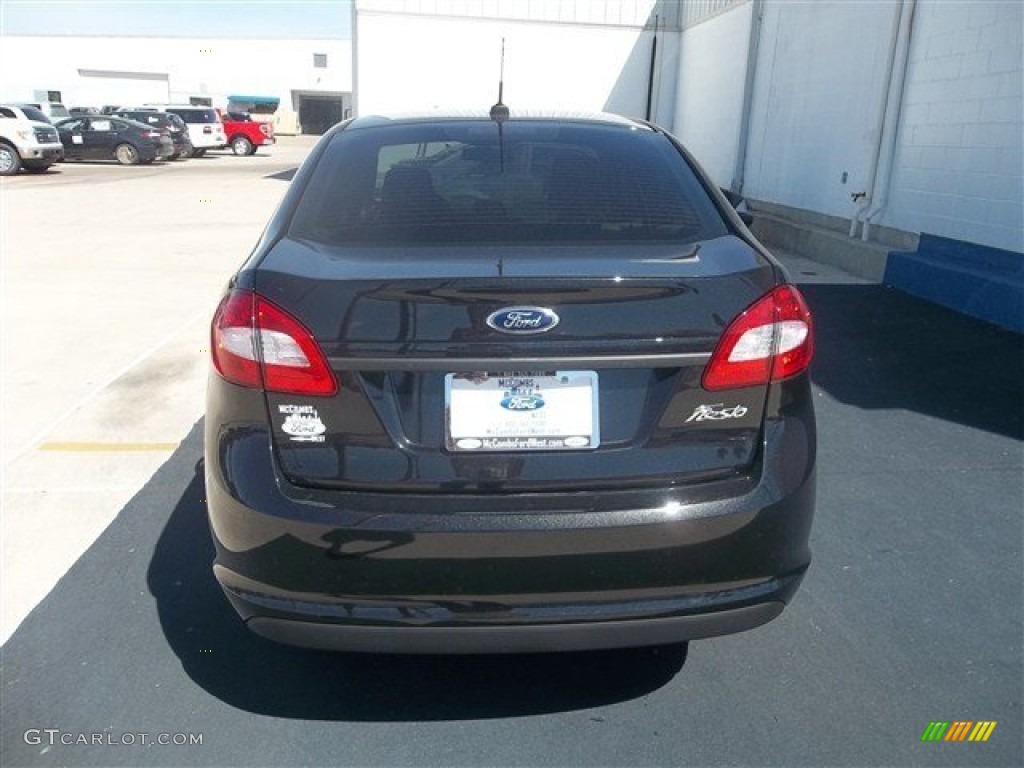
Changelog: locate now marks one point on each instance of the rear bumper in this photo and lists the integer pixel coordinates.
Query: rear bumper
(208, 140)
(462, 573)
(537, 638)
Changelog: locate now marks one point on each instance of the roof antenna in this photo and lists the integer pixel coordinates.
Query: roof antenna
(499, 112)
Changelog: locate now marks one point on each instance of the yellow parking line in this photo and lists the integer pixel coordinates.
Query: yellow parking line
(108, 447)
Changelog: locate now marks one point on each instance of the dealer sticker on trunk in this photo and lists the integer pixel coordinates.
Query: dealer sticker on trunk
(522, 411)
(302, 423)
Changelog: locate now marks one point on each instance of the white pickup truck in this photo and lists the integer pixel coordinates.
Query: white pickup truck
(30, 144)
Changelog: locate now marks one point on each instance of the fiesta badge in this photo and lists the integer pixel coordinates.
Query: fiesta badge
(522, 320)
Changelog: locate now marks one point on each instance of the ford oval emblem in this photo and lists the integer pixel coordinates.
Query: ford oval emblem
(522, 320)
(522, 402)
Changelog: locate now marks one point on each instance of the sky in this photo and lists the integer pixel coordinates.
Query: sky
(301, 19)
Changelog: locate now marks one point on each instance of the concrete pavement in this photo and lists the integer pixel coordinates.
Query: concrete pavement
(108, 288)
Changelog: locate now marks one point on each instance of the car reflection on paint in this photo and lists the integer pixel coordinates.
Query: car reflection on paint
(545, 360)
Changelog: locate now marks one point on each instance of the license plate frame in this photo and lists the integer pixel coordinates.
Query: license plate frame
(522, 411)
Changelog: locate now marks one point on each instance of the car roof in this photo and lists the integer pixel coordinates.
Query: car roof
(597, 118)
(176, 106)
(149, 112)
(118, 118)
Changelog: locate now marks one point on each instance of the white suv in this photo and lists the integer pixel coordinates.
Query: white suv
(205, 129)
(26, 143)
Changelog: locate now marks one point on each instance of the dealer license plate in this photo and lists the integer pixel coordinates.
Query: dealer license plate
(522, 411)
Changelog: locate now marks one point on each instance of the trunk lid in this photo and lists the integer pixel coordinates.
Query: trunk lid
(406, 332)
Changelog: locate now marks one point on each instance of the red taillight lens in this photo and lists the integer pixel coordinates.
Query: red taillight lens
(771, 340)
(233, 340)
(292, 361)
(256, 343)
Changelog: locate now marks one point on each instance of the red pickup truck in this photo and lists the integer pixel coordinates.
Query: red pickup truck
(244, 134)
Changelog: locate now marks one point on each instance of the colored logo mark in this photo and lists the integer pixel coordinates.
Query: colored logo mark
(959, 730)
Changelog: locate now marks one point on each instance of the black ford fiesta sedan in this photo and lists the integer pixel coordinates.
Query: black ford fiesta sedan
(508, 385)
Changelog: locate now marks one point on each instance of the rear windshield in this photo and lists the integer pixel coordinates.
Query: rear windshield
(534, 182)
(197, 115)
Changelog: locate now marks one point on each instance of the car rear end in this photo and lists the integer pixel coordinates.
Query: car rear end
(205, 130)
(168, 124)
(246, 135)
(265, 138)
(508, 387)
(150, 135)
(180, 137)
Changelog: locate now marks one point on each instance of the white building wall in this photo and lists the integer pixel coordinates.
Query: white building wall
(818, 93)
(709, 99)
(959, 168)
(195, 67)
(559, 54)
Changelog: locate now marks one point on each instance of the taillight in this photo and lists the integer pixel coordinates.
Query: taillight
(773, 339)
(256, 343)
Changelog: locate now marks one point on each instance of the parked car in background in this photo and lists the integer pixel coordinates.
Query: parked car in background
(164, 121)
(30, 144)
(79, 111)
(53, 110)
(205, 130)
(521, 384)
(244, 134)
(104, 137)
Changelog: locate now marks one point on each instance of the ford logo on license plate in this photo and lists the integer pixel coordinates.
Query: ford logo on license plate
(522, 320)
(522, 402)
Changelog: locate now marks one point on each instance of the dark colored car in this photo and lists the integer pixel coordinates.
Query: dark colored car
(163, 121)
(104, 137)
(525, 385)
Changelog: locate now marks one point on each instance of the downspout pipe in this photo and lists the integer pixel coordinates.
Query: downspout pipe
(894, 110)
(865, 204)
(354, 11)
(753, 43)
(650, 75)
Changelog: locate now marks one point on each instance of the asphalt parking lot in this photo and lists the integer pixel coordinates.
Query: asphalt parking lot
(911, 612)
